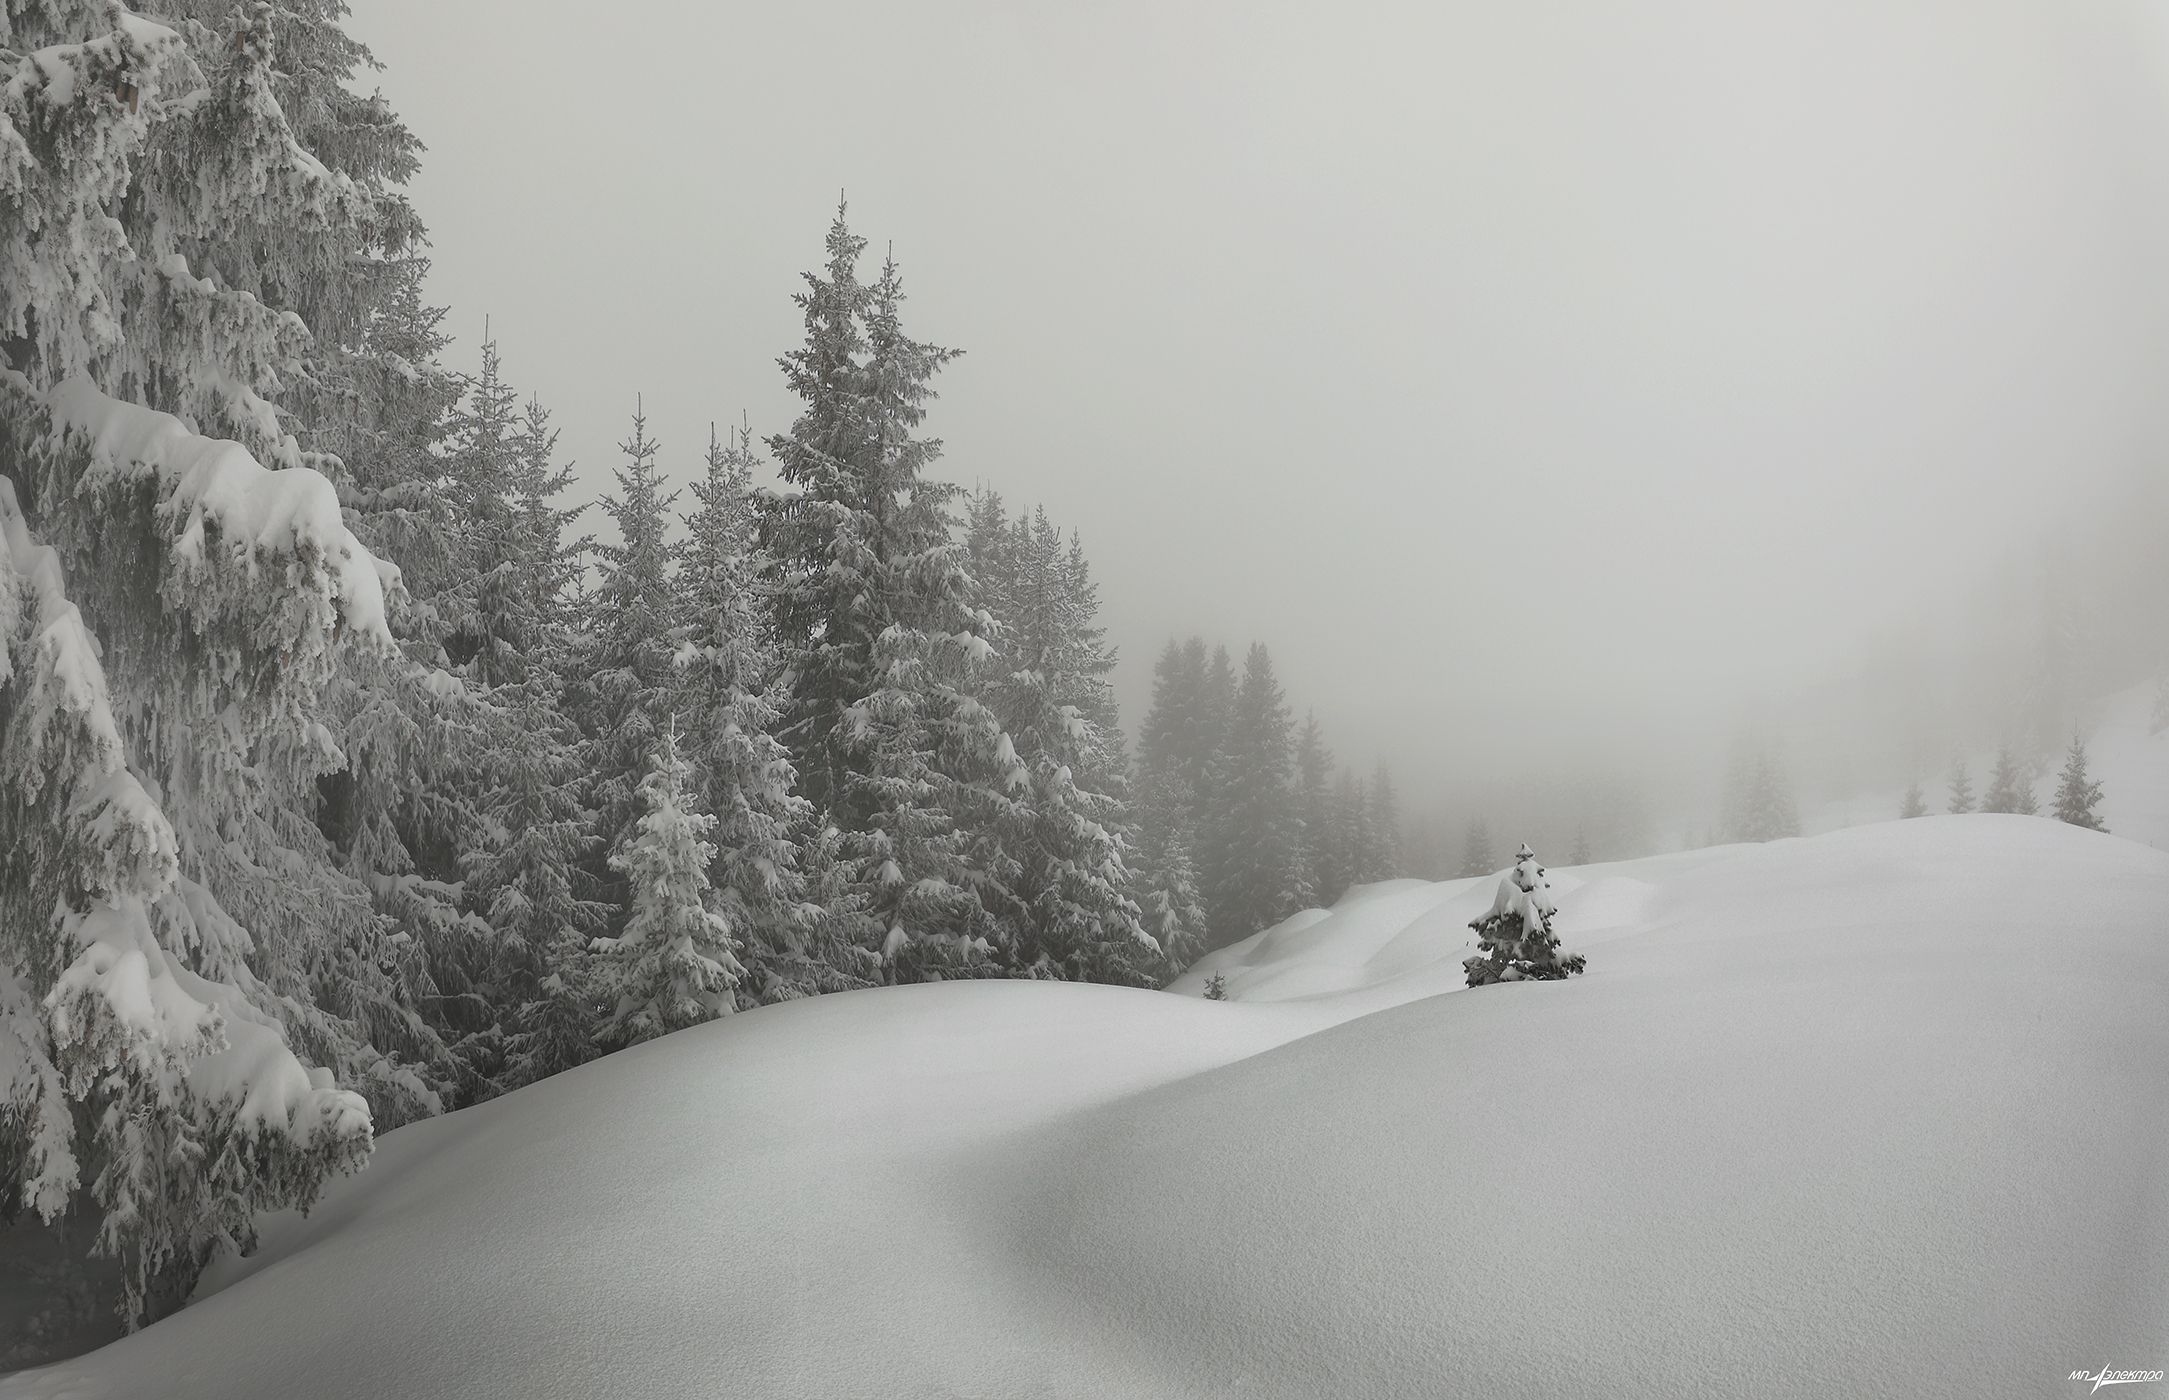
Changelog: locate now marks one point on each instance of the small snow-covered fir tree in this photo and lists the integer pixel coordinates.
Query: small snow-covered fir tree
(1959, 792)
(2009, 789)
(2077, 794)
(1579, 855)
(676, 964)
(1915, 802)
(1516, 936)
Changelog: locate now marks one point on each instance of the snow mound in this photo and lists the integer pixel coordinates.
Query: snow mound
(1874, 1113)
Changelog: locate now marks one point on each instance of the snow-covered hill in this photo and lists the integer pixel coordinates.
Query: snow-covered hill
(1880, 1112)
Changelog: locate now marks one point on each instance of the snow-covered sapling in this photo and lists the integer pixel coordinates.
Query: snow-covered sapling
(2077, 794)
(1216, 987)
(1516, 938)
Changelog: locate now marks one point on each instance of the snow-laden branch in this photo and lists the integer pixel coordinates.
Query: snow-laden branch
(224, 508)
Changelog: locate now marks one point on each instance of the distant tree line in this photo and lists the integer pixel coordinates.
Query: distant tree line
(1243, 818)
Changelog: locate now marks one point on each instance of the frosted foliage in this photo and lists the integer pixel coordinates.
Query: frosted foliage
(198, 1114)
(161, 223)
(1516, 938)
(676, 964)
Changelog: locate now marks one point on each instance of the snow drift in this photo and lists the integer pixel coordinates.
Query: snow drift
(1880, 1112)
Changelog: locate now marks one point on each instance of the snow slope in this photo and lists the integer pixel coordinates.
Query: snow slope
(1880, 1112)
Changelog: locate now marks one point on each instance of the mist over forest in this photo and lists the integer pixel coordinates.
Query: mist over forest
(1132, 699)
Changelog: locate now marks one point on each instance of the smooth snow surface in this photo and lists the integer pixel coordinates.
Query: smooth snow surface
(1875, 1113)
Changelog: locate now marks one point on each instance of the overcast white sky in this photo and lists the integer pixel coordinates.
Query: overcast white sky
(1676, 340)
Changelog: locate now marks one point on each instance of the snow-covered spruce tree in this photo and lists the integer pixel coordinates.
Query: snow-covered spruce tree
(1255, 827)
(1069, 895)
(676, 963)
(625, 676)
(1579, 855)
(2009, 790)
(529, 878)
(883, 648)
(1477, 857)
(434, 752)
(742, 774)
(2077, 794)
(223, 225)
(529, 872)
(160, 224)
(1384, 857)
(1516, 936)
(1959, 791)
(1915, 802)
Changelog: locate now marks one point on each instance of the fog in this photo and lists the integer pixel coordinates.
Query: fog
(1554, 386)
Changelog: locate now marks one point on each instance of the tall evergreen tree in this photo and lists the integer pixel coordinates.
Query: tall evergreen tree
(1257, 836)
(216, 240)
(1351, 837)
(743, 776)
(1069, 826)
(2009, 790)
(883, 642)
(1209, 758)
(1169, 764)
(1314, 774)
(1915, 803)
(627, 679)
(2077, 794)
